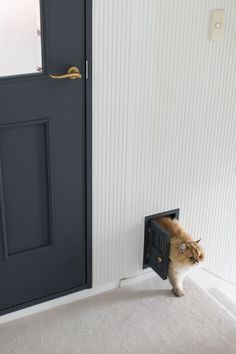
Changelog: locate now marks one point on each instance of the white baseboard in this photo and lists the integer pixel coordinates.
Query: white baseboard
(142, 275)
(208, 281)
(58, 302)
(203, 278)
(48, 305)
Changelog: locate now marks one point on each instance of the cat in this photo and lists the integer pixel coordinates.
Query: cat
(185, 253)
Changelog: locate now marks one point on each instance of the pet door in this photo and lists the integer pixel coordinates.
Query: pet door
(157, 244)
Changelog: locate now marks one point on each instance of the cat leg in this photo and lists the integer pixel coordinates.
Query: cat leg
(176, 279)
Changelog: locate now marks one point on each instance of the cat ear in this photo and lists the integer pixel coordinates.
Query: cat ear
(182, 248)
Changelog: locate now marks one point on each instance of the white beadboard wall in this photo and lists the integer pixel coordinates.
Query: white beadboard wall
(164, 129)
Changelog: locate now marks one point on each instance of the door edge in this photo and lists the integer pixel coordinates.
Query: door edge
(88, 135)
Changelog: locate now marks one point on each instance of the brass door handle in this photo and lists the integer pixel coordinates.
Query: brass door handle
(72, 73)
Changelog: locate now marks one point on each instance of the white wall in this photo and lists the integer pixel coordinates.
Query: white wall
(164, 129)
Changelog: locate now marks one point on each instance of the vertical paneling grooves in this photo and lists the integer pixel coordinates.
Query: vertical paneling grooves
(164, 124)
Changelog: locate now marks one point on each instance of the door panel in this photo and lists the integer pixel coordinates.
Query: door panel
(25, 185)
(45, 250)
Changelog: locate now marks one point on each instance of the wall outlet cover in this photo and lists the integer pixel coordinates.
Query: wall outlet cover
(217, 26)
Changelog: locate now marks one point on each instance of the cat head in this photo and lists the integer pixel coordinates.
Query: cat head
(192, 252)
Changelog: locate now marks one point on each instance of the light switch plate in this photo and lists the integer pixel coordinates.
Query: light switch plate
(217, 27)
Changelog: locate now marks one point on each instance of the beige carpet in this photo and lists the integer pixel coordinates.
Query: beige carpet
(144, 318)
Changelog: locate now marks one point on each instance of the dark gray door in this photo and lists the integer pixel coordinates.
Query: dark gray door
(44, 248)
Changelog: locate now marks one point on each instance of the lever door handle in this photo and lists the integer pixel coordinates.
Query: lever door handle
(72, 73)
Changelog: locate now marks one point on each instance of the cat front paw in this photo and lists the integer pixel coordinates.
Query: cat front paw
(178, 292)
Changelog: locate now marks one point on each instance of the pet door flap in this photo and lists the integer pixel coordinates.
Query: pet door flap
(157, 243)
(159, 248)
